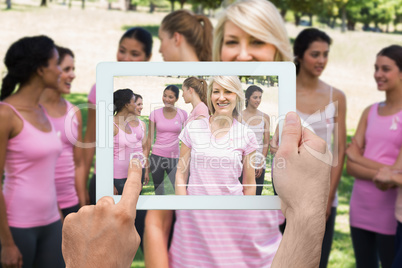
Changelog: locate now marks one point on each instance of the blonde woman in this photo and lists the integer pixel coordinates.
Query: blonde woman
(251, 30)
(228, 142)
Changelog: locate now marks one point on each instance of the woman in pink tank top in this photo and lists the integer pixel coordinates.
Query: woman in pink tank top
(70, 177)
(134, 45)
(30, 226)
(377, 143)
(323, 108)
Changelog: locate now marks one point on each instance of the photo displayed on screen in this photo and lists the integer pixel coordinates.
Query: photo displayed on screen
(195, 135)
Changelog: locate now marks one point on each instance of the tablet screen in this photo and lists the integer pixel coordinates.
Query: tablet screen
(210, 162)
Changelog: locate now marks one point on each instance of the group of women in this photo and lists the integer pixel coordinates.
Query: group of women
(46, 167)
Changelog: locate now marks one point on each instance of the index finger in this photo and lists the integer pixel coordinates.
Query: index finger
(132, 187)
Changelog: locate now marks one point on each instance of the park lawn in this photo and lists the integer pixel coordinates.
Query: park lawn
(342, 255)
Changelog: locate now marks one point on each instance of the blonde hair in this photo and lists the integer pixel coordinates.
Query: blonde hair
(258, 18)
(231, 83)
(199, 85)
(196, 29)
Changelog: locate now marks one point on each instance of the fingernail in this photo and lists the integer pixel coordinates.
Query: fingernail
(291, 118)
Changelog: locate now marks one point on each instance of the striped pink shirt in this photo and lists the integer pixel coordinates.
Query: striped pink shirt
(216, 164)
(221, 238)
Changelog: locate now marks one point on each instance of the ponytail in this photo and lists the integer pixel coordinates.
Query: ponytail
(200, 87)
(8, 86)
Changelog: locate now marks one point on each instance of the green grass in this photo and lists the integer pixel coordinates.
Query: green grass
(342, 255)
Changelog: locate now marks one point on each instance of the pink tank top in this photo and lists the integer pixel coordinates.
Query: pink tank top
(370, 208)
(323, 123)
(66, 127)
(29, 186)
(123, 146)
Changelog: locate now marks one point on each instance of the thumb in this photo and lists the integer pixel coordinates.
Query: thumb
(291, 134)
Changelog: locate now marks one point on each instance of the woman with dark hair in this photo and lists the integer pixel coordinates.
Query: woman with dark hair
(259, 122)
(66, 118)
(30, 225)
(323, 108)
(127, 140)
(195, 92)
(185, 36)
(376, 144)
(135, 45)
(167, 122)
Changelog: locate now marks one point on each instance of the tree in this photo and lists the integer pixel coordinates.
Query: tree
(8, 2)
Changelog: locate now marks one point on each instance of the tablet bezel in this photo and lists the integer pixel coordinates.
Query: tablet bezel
(105, 73)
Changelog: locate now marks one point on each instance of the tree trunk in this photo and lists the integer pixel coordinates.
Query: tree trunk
(343, 29)
(283, 13)
(311, 19)
(82, 4)
(8, 2)
(172, 5)
(151, 7)
(297, 19)
(43, 3)
(182, 3)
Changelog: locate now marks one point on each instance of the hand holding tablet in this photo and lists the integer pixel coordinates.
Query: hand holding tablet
(104, 235)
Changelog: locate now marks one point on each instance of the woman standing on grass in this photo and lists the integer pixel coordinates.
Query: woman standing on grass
(134, 45)
(66, 118)
(167, 122)
(30, 225)
(323, 108)
(140, 128)
(377, 143)
(259, 123)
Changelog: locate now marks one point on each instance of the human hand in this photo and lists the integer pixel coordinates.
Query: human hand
(11, 257)
(302, 170)
(383, 179)
(104, 235)
(274, 142)
(353, 151)
(146, 177)
(258, 172)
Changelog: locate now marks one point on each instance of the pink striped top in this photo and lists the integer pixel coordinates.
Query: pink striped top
(221, 238)
(370, 208)
(66, 127)
(224, 238)
(216, 164)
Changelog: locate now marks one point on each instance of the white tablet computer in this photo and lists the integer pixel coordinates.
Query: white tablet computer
(149, 79)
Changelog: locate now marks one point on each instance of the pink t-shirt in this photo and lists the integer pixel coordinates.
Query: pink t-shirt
(167, 132)
(220, 238)
(216, 164)
(92, 95)
(370, 208)
(125, 144)
(29, 186)
(66, 128)
(200, 110)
